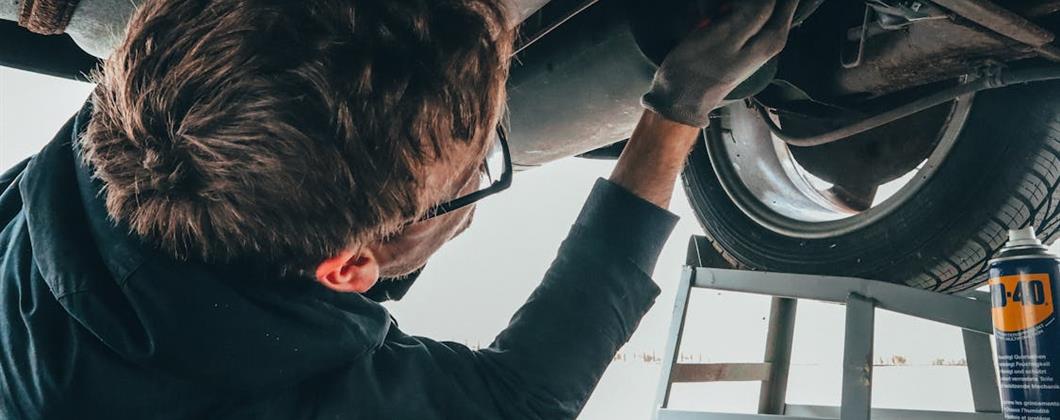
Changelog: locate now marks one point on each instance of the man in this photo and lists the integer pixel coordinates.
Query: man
(201, 240)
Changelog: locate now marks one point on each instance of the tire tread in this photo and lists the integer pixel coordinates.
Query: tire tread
(1021, 179)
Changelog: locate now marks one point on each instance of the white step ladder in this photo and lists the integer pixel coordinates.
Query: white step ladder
(706, 269)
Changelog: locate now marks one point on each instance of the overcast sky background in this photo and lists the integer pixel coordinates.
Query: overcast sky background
(473, 285)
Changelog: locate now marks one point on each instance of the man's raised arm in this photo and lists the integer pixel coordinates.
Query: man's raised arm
(546, 363)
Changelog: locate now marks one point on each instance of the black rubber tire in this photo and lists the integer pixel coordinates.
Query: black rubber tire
(1001, 173)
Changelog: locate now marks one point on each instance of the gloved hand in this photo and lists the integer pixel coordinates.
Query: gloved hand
(697, 74)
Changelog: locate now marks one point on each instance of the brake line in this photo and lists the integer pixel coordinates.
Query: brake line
(995, 79)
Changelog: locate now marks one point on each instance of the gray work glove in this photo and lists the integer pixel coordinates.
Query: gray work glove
(697, 74)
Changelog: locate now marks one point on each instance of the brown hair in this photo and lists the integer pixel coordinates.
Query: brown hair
(289, 130)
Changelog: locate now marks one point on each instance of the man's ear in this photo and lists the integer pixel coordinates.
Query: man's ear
(350, 271)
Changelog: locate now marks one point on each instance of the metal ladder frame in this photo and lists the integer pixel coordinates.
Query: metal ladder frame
(705, 269)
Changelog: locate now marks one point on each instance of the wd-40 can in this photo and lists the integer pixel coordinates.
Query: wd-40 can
(1023, 284)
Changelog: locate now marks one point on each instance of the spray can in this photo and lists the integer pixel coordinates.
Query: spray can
(1023, 283)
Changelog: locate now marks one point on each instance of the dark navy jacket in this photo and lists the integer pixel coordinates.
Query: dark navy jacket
(96, 324)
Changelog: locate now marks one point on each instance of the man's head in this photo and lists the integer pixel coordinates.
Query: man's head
(299, 132)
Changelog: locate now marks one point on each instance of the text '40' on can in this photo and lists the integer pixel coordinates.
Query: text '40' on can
(1023, 285)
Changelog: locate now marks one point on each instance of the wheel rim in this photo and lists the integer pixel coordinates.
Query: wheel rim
(763, 179)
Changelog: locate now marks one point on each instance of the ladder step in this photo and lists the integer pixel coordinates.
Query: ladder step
(810, 412)
(819, 412)
(720, 372)
(671, 414)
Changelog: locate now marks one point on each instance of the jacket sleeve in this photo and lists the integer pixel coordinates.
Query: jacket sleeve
(545, 364)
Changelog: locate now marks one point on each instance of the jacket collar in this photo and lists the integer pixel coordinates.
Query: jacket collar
(67, 217)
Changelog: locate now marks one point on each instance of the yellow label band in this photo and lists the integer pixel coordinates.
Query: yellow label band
(1021, 301)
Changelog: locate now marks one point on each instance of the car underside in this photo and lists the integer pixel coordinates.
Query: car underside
(891, 139)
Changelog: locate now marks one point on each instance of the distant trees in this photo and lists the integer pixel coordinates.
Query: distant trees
(893, 360)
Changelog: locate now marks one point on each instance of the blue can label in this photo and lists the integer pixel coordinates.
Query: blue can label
(1028, 338)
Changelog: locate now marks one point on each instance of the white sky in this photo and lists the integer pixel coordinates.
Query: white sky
(473, 286)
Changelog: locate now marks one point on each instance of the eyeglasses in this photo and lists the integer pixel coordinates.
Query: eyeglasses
(495, 176)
